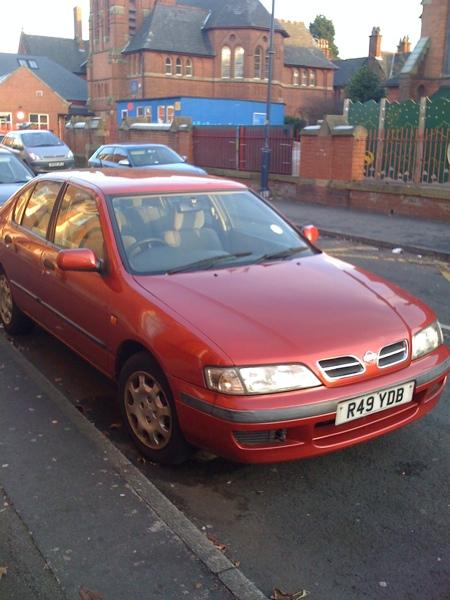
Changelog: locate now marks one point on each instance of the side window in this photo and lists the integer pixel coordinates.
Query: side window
(21, 203)
(78, 222)
(40, 206)
(120, 154)
(106, 153)
(7, 140)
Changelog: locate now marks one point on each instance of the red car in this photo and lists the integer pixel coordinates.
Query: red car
(225, 327)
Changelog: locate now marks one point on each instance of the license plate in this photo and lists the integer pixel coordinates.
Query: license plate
(56, 164)
(374, 402)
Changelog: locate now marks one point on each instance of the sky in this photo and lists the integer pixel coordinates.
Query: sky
(353, 20)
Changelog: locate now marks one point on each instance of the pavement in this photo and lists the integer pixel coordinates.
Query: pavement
(419, 236)
(79, 521)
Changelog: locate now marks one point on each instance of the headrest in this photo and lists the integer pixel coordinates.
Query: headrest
(194, 219)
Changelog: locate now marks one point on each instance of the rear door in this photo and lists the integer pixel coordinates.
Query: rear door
(25, 238)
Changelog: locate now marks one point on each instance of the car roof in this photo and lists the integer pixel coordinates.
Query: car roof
(144, 181)
(137, 146)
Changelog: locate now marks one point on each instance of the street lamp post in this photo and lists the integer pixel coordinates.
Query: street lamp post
(265, 150)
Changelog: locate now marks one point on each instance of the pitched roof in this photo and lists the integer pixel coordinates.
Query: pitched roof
(397, 64)
(295, 56)
(173, 29)
(347, 68)
(62, 50)
(66, 84)
(299, 34)
(239, 14)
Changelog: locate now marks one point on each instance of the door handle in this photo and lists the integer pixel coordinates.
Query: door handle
(49, 264)
(8, 240)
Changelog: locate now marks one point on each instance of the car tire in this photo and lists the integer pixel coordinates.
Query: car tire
(14, 321)
(148, 410)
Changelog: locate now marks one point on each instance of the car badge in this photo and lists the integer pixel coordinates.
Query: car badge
(370, 357)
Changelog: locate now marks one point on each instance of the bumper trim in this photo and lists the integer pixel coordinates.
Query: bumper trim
(296, 412)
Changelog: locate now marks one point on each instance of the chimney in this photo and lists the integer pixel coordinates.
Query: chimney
(404, 46)
(375, 43)
(78, 27)
(324, 45)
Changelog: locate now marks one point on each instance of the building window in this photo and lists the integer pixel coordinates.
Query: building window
(5, 121)
(38, 121)
(140, 111)
(188, 68)
(170, 114)
(168, 66)
(178, 67)
(295, 77)
(312, 78)
(39, 93)
(33, 64)
(226, 62)
(148, 113)
(257, 63)
(22, 62)
(304, 77)
(161, 114)
(266, 66)
(124, 115)
(106, 20)
(239, 62)
(132, 18)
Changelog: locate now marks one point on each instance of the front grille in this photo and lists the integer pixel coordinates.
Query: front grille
(265, 436)
(392, 354)
(342, 366)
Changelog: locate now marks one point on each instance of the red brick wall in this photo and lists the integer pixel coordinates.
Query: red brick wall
(338, 157)
(18, 93)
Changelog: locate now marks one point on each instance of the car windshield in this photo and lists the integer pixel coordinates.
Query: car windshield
(40, 138)
(153, 155)
(197, 231)
(12, 170)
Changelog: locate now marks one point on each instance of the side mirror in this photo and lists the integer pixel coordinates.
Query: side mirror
(78, 259)
(311, 233)
(184, 158)
(124, 162)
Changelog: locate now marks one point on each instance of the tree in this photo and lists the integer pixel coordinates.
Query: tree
(365, 85)
(323, 28)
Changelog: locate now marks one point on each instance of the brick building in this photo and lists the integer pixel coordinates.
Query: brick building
(35, 90)
(205, 48)
(428, 67)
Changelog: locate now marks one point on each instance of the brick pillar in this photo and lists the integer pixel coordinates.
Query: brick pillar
(333, 150)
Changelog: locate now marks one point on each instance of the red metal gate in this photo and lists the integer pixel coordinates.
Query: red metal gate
(239, 148)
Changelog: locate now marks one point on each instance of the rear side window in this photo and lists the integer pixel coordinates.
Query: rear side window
(78, 222)
(106, 153)
(39, 209)
(21, 203)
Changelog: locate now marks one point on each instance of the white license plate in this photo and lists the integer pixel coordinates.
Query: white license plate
(56, 164)
(374, 402)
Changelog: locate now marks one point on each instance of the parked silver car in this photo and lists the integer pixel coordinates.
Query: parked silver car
(41, 150)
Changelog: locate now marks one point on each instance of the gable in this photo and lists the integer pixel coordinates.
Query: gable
(25, 79)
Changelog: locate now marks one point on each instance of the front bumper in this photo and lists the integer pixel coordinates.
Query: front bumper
(45, 166)
(281, 427)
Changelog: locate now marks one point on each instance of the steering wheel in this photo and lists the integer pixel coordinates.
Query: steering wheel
(142, 244)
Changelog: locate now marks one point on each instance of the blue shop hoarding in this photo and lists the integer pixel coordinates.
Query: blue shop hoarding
(202, 111)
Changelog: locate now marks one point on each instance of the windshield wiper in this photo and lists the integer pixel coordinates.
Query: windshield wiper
(207, 263)
(286, 253)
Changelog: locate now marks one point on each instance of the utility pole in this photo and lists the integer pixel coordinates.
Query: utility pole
(265, 150)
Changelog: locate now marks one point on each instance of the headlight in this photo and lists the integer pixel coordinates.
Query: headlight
(427, 340)
(34, 156)
(260, 380)
(70, 154)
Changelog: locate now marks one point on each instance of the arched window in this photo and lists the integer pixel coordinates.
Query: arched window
(239, 62)
(304, 77)
(168, 66)
(226, 62)
(188, 68)
(312, 78)
(295, 77)
(266, 65)
(178, 67)
(257, 63)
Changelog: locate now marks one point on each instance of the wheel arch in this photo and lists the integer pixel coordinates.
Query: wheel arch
(127, 349)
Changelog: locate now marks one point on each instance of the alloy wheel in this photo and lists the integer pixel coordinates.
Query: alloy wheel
(6, 301)
(148, 411)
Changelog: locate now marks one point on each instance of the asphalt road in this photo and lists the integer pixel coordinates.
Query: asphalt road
(366, 523)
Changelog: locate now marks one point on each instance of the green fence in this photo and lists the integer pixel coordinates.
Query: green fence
(408, 141)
